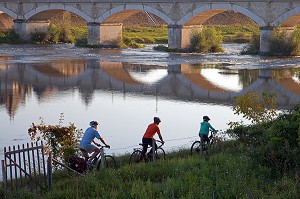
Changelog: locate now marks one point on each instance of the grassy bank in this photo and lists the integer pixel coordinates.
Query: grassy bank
(225, 173)
(261, 162)
(135, 34)
(159, 35)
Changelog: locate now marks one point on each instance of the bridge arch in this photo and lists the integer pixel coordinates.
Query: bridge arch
(289, 19)
(217, 8)
(133, 7)
(9, 12)
(57, 7)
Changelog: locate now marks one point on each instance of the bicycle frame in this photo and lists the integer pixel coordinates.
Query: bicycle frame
(136, 155)
(97, 161)
(200, 147)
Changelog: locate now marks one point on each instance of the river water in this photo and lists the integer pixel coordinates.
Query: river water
(124, 89)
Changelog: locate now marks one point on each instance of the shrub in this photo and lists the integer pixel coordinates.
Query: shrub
(53, 34)
(208, 40)
(283, 44)
(256, 108)
(10, 37)
(39, 37)
(274, 144)
(254, 46)
(61, 141)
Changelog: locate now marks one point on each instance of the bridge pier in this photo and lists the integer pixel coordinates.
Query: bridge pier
(93, 37)
(265, 38)
(104, 34)
(179, 36)
(266, 35)
(25, 27)
(110, 33)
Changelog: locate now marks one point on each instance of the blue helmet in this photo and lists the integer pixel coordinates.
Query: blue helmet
(156, 120)
(93, 123)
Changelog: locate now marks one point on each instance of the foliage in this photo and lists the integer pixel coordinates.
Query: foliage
(283, 44)
(237, 34)
(38, 37)
(226, 174)
(208, 40)
(254, 46)
(145, 35)
(60, 140)
(10, 37)
(274, 144)
(131, 43)
(256, 108)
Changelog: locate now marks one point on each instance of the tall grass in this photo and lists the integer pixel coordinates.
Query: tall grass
(226, 173)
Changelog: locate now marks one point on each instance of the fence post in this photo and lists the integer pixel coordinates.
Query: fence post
(153, 150)
(4, 178)
(49, 171)
(102, 158)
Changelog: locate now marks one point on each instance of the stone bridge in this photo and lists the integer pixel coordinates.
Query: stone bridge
(104, 17)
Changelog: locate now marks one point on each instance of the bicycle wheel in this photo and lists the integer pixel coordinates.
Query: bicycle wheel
(135, 157)
(110, 162)
(196, 148)
(160, 154)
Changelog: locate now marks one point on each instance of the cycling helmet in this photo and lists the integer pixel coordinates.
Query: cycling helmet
(206, 118)
(156, 120)
(93, 123)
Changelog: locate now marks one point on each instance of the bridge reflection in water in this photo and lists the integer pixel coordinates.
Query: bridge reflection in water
(210, 84)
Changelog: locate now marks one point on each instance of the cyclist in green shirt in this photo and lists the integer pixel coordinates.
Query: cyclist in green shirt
(204, 129)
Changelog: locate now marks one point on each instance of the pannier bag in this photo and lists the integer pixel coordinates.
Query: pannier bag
(78, 164)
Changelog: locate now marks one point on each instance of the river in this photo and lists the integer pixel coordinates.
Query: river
(124, 89)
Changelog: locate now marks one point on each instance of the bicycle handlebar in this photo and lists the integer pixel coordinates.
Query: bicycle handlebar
(103, 146)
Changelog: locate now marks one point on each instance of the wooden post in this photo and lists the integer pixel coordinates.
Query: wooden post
(29, 165)
(153, 150)
(4, 177)
(49, 171)
(102, 158)
(20, 171)
(44, 167)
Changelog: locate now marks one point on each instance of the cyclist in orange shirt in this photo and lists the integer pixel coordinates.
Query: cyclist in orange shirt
(148, 136)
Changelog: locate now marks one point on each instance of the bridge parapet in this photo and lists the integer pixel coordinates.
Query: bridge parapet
(180, 15)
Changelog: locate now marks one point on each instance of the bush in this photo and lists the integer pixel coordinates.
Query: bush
(208, 40)
(61, 141)
(10, 37)
(254, 46)
(39, 37)
(275, 144)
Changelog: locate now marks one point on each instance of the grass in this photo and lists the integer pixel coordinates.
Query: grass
(159, 35)
(227, 172)
(132, 36)
(146, 35)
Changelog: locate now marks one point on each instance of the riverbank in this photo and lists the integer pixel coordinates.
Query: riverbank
(224, 173)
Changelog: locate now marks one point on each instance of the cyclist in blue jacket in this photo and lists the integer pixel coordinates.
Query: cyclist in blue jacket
(86, 145)
(204, 129)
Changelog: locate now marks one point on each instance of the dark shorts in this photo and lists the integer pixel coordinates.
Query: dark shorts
(148, 142)
(204, 138)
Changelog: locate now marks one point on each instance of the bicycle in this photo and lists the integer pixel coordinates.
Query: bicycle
(109, 160)
(199, 147)
(136, 155)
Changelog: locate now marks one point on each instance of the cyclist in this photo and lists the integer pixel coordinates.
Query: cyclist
(204, 129)
(86, 145)
(151, 130)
